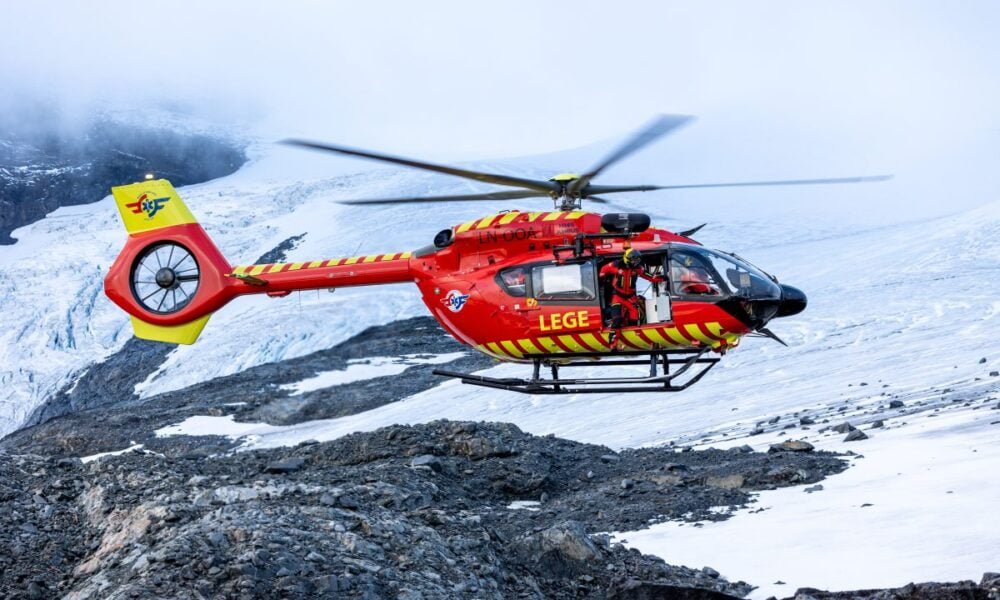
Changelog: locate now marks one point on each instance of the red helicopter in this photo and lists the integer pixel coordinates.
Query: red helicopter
(519, 286)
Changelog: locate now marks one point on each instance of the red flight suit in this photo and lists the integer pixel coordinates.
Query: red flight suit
(624, 301)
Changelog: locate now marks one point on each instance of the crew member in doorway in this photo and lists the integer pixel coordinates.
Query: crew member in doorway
(625, 308)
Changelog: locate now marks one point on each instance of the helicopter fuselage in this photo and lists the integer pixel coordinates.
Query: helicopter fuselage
(462, 283)
(518, 286)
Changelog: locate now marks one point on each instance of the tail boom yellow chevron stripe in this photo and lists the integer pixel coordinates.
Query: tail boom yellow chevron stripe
(317, 264)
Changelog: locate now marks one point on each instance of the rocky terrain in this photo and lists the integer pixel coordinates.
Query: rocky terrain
(404, 510)
(987, 589)
(422, 511)
(442, 510)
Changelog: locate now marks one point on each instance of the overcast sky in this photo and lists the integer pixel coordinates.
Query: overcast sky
(888, 85)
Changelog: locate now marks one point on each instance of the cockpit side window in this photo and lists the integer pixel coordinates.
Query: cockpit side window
(692, 275)
(514, 281)
(698, 272)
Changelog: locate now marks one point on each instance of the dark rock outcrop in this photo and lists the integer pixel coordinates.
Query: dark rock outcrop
(356, 518)
(105, 383)
(111, 384)
(43, 169)
(280, 252)
(962, 590)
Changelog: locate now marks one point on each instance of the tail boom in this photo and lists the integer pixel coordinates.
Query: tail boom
(374, 269)
(170, 277)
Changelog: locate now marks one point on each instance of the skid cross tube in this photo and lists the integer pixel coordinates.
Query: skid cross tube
(651, 383)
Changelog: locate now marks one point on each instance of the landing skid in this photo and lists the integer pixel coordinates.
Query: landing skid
(689, 361)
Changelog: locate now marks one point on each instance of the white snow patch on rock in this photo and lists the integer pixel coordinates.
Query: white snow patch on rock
(919, 506)
(359, 369)
(99, 456)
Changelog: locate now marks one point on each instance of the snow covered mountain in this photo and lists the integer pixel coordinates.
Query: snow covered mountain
(43, 166)
(58, 321)
(901, 312)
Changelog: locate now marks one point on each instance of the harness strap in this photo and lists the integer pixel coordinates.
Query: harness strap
(624, 281)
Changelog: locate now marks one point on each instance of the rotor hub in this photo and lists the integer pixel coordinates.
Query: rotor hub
(166, 278)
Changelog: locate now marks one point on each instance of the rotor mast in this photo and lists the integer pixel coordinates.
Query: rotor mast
(568, 203)
(562, 197)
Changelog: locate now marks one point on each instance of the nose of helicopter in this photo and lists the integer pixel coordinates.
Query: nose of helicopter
(758, 312)
(793, 301)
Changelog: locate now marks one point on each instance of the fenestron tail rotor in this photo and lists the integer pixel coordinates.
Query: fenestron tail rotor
(165, 278)
(567, 190)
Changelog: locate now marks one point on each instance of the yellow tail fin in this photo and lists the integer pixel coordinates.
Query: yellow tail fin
(171, 334)
(150, 205)
(145, 207)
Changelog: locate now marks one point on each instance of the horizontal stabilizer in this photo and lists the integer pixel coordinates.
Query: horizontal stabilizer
(248, 279)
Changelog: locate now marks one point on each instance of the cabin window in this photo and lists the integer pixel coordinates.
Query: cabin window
(513, 281)
(564, 282)
(691, 274)
(698, 272)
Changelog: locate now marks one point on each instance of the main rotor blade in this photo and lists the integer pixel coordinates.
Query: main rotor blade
(610, 205)
(512, 195)
(531, 184)
(651, 131)
(613, 189)
(868, 179)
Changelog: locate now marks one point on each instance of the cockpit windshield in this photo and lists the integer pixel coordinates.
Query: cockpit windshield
(698, 271)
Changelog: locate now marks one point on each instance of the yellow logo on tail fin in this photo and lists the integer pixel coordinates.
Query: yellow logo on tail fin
(150, 205)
